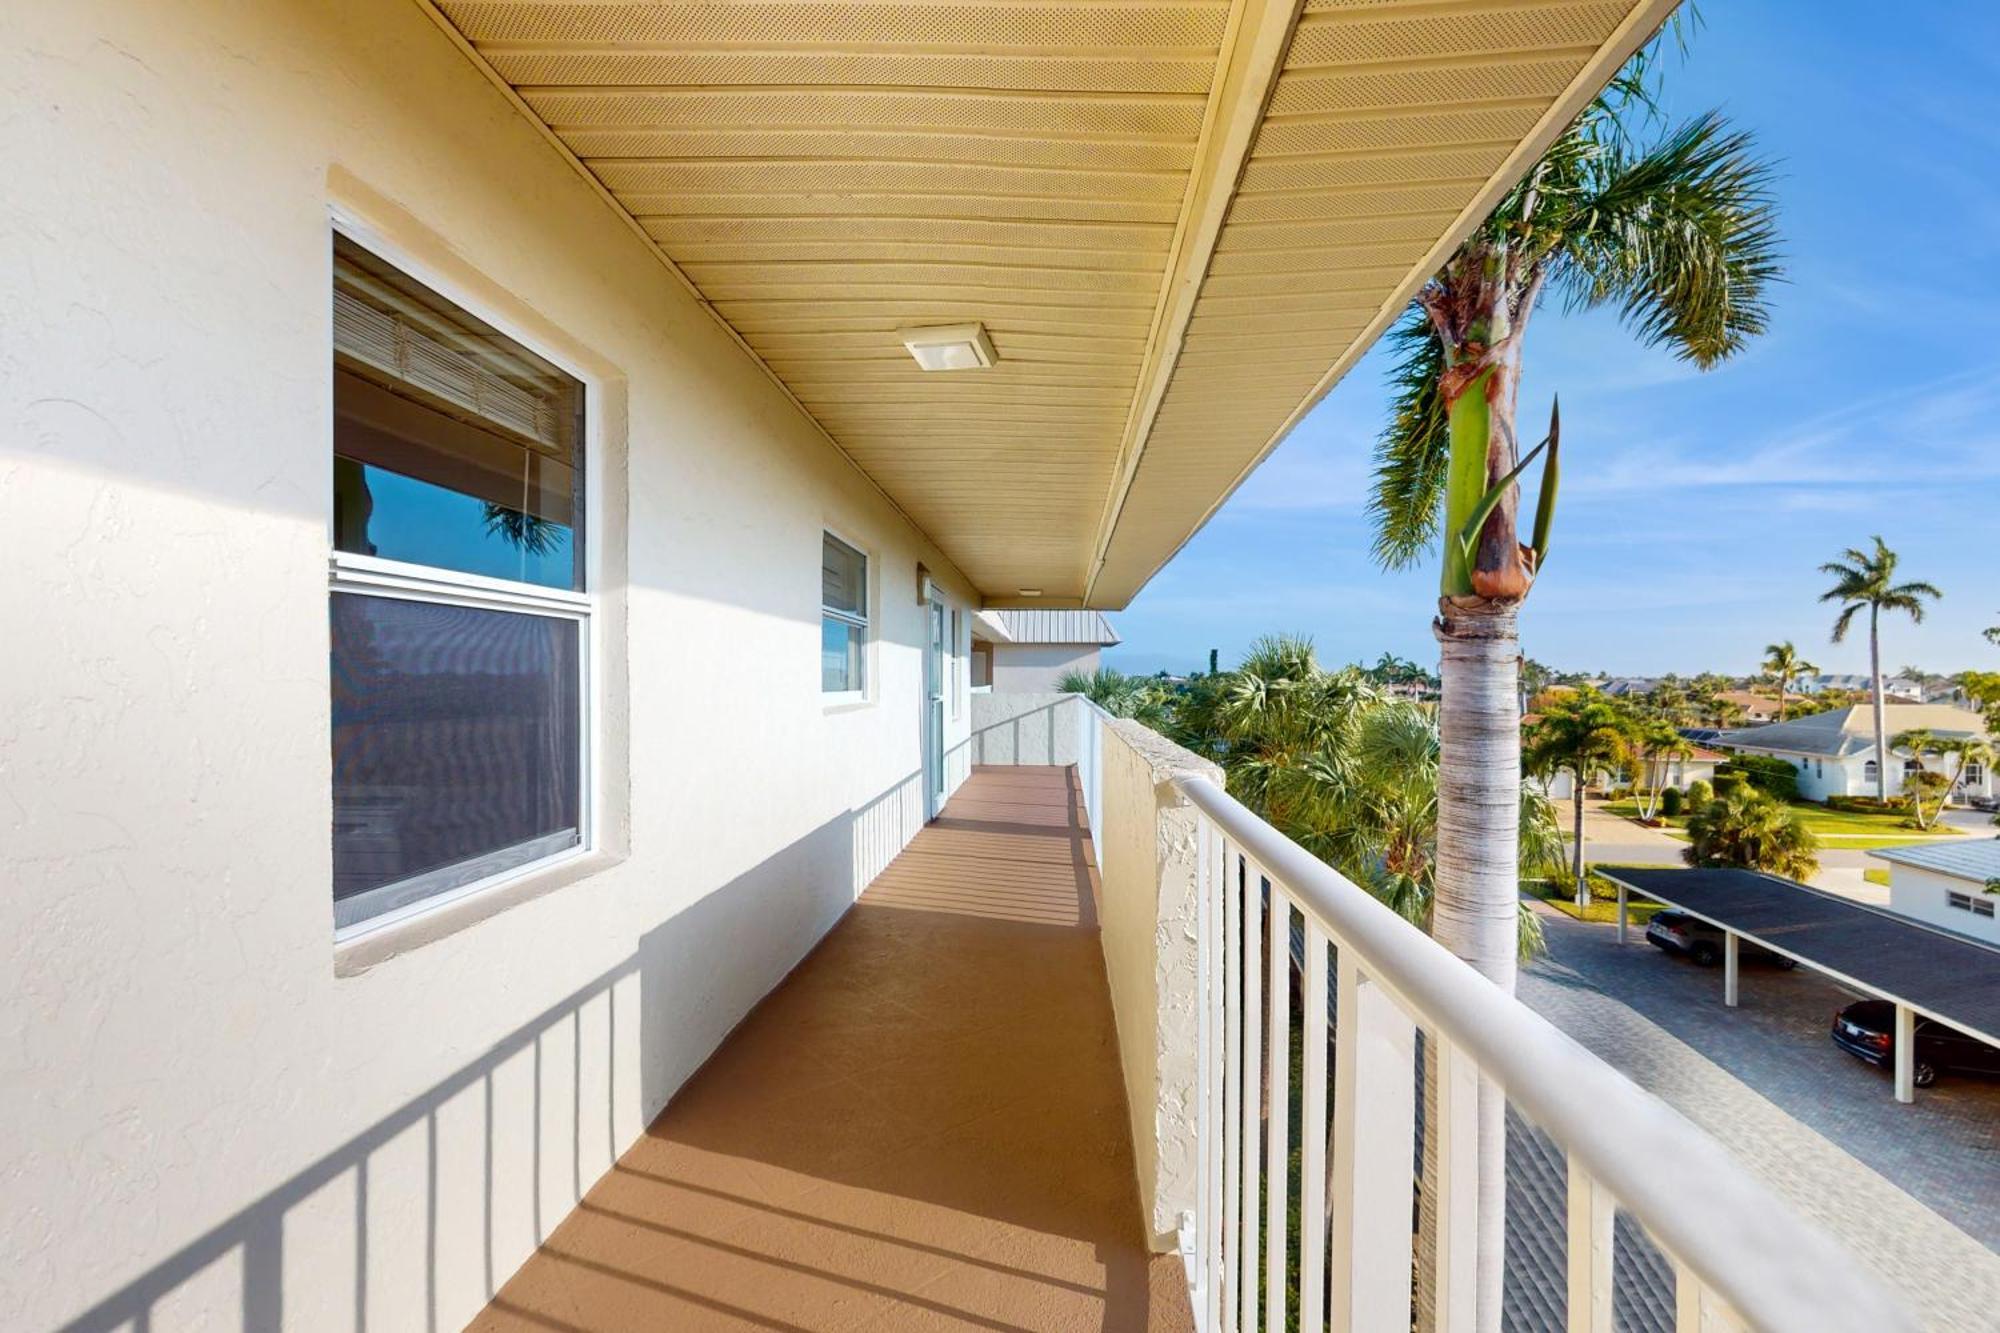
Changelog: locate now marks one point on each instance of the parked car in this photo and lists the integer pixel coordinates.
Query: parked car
(1677, 932)
(1866, 1029)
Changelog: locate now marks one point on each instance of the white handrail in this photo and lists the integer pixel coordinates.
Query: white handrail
(1704, 1208)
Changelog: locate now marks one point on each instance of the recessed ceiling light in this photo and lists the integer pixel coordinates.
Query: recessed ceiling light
(951, 347)
(1030, 592)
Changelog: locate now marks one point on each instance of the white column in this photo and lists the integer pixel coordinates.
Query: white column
(1906, 1054)
(1729, 953)
(1621, 912)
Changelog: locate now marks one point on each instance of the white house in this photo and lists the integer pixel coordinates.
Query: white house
(1032, 650)
(1835, 754)
(1954, 884)
(1900, 688)
(495, 497)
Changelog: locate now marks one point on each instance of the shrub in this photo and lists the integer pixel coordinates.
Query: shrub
(1772, 776)
(1671, 802)
(1867, 805)
(1744, 827)
(1727, 782)
(1699, 794)
(1621, 794)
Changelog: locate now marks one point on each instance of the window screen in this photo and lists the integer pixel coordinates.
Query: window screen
(454, 446)
(843, 583)
(455, 747)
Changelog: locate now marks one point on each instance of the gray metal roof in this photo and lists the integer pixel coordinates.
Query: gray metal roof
(1950, 977)
(1034, 626)
(1976, 859)
(1840, 732)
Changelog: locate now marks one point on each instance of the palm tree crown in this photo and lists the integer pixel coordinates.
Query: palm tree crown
(1784, 664)
(1866, 580)
(1680, 236)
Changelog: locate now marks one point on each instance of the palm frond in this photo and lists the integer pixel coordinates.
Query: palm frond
(1410, 457)
(1682, 237)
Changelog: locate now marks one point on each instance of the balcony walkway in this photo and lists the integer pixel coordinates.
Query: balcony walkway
(923, 1127)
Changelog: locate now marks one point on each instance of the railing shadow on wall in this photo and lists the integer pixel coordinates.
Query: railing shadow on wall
(535, 1118)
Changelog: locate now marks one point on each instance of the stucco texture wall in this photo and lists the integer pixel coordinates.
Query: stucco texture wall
(1147, 859)
(204, 1122)
(1035, 667)
(1037, 727)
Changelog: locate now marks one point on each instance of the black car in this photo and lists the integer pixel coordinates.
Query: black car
(1677, 932)
(1867, 1029)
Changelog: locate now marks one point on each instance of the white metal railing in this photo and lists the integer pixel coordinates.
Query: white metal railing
(1740, 1257)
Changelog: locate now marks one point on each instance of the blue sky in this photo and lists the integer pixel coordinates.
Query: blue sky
(1698, 507)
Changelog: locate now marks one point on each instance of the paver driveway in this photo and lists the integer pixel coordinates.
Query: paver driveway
(1913, 1190)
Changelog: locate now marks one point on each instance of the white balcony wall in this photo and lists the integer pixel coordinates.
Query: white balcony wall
(210, 1121)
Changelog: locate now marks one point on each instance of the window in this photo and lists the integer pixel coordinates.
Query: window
(1975, 773)
(1966, 902)
(458, 615)
(982, 665)
(1911, 766)
(843, 623)
(1870, 771)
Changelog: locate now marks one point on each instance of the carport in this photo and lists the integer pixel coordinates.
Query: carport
(1920, 969)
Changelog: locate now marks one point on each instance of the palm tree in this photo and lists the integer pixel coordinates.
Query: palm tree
(1867, 579)
(1783, 664)
(1118, 694)
(1659, 744)
(1677, 234)
(1583, 733)
(1992, 634)
(1919, 742)
(1748, 828)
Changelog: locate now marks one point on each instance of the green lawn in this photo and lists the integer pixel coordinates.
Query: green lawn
(1876, 877)
(1603, 900)
(1834, 828)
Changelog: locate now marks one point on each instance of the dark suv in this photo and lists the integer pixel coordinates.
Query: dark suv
(1867, 1029)
(1677, 932)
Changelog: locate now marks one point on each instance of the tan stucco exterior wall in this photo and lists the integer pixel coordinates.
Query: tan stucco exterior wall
(204, 1120)
(1147, 859)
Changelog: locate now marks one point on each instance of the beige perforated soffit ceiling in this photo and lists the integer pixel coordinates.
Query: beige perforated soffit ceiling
(1178, 220)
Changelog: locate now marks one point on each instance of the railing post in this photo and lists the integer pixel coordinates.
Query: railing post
(1278, 1111)
(1231, 1123)
(1456, 1281)
(1374, 1149)
(1249, 1104)
(1592, 1213)
(1312, 1138)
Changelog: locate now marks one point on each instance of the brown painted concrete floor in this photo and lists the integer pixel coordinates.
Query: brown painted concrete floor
(923, 1127)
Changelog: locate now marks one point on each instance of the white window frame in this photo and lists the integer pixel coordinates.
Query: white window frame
(864, 622)
(374, 576)
(960, 668)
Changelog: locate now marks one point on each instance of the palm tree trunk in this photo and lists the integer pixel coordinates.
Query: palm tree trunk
(1582, 886)
(1881, 725)
(1781, 697)
(1476, 906)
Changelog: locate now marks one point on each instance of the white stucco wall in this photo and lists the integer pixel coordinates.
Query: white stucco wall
(1147, 857)
(1923, 894)
(1039, 727)
(1036, 667)
(204, 1122)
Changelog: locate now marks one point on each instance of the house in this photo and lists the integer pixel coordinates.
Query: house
(1901, 689)
(1954, 884)
(1834, 751)
(496, 496)
(1756, 706)
(1021, 650)
(1630, 687)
